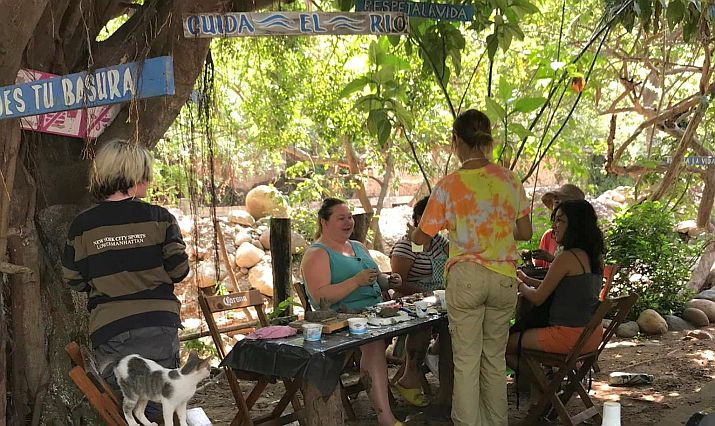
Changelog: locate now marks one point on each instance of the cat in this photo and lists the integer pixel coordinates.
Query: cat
(142, 380)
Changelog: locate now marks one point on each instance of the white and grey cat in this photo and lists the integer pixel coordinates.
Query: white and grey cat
(143, 380)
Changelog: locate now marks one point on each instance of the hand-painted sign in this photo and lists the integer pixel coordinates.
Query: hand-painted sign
(294, 23)
(106, 86)
(81, 123)
(445, 12)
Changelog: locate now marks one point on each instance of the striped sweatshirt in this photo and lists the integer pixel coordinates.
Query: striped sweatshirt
(126, 255)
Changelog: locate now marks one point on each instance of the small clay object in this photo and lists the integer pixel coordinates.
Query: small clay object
(388, 312)
(322, 314)
(384, 281)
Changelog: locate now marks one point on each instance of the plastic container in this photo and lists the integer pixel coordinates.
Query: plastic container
(611, 414)
(442, 297)
(312, 332)
(197, 417)
(357, 325)
(421, 308)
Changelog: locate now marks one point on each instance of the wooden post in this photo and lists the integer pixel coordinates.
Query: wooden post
(322, 411)
(362, 225)
(281, 257)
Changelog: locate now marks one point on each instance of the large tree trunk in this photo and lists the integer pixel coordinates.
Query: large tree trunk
(43, 188)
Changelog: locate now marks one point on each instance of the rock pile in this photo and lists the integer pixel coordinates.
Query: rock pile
(699, 312)
(247, 242)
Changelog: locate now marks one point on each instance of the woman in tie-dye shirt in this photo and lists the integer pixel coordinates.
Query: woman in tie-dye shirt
(485, 209)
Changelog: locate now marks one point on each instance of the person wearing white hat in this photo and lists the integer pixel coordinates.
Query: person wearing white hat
(548, 247)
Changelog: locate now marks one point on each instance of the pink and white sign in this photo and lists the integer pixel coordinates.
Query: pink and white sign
(79, 123)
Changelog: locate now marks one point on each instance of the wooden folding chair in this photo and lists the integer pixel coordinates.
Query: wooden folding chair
(573, 367)
(211, 305)
(608, 272)
(87, 378)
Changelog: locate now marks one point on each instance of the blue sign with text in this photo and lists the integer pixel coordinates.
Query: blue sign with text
(439, 11)
(105, 86)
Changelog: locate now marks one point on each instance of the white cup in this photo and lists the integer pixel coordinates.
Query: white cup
(312, 332)
(421, 308)
(611, 414)
(442, 297)
(357, 325)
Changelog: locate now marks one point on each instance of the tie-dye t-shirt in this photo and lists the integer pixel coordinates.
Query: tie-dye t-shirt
(479, 208)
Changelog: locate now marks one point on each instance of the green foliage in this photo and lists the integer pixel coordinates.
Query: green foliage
(540, 223)
(202, 348)
(684, 13)
(655, 263)
(283, 306)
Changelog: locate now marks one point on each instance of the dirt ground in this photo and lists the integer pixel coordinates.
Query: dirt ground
(684, 370)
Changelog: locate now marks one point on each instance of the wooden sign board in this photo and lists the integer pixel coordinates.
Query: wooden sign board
(439, 11)
(105, 86)
(294, 23)
(80, 123)
(241, 299)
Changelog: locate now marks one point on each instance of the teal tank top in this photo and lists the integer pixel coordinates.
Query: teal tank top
(343, 267)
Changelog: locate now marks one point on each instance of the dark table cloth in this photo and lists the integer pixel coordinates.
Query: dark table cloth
(319, 363)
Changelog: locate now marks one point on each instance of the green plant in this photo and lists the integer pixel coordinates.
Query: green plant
(655, 263)
(540, 222)
(282, 308)
(202, 348)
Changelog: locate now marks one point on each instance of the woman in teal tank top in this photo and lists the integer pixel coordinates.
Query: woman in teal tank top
(342, 272)
(344, 267)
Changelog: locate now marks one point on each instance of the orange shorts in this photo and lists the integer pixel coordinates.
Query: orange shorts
(560, 340)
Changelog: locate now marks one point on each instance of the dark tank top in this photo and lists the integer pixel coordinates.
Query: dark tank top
(575, 299)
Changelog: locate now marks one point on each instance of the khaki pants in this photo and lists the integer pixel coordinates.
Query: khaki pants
(480, 304)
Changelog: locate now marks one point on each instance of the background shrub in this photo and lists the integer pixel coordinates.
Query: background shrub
(655, 263)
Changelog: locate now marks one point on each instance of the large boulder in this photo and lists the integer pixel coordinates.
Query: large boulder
(297, 242)
(248, 255)
(261, 278)
(186, 225)
(650, 322)
(241, 217)
(696, 317)
(627, 329)
(242, 237)
(206, 276)
(707, 294)
(704, 305)
(382, 260)
(676, 323)
(265, 200)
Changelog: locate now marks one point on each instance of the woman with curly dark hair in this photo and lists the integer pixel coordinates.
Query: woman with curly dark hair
(575, 279)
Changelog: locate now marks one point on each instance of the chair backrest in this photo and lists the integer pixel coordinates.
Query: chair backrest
(619, 308)
(211, 305)
(89, 381)
(608, 273)
(299, 288)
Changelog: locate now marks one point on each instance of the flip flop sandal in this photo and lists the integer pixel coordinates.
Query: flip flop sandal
(413, 395)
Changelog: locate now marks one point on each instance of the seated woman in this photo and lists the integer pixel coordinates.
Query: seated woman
(421, 272)
(548, 247)
(575, 279)
(342, 272)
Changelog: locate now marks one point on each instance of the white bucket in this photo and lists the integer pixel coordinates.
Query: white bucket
(312, 332)
(357, 325)
(611, 414)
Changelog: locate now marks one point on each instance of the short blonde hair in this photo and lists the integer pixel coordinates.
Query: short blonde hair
(118, 166)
